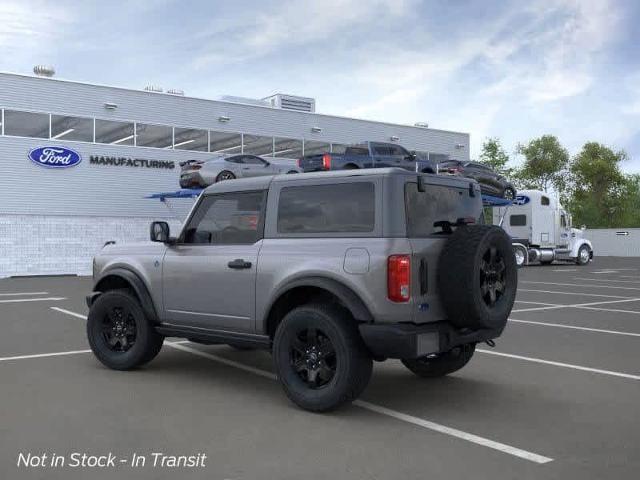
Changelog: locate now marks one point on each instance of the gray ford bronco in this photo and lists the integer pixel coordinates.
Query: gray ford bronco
(328, 271)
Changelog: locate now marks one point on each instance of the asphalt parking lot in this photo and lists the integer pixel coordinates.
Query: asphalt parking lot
(557, 398)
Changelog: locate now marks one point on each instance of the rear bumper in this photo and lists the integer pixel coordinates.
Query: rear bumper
(408, 340)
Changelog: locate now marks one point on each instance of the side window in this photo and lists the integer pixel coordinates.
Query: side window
(544, 201)
(518, 220)
(381, 150)
(251, 160)
(227, 219)
(340, 208)
(397, 150)
(563, 221)
(236, 159)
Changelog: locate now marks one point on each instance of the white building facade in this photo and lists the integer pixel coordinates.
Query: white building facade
(77, 160)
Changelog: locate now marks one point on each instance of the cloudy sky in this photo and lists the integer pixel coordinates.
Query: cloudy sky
(511, 69)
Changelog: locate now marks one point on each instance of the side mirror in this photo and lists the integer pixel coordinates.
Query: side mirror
(266, 163)
(159, 232)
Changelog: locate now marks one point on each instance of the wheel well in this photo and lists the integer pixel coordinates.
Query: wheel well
(113, 282)
(351, 166)
(296, 297)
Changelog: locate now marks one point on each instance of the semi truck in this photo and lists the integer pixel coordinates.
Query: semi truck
(541, 230)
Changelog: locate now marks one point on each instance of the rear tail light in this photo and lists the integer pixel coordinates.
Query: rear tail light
(399, 278)
(326, 161)
(195, 167)
(299, 163)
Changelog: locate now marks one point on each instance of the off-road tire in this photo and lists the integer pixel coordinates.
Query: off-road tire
(462, 285)
(441, 364)
(579, 260)
(509, 194)
(148, 341)
(353, 364)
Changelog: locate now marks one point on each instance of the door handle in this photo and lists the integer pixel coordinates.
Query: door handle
(239, 264)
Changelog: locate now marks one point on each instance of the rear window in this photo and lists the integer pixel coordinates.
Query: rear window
(340, 208)
(357, 150)
(517, 220)
(437, 203)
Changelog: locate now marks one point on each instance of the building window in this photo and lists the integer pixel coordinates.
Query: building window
(190, 139)
(287, 148)
(71, 128)
(26, 124)
(257, 145)
(114, 133)
(225, 142)
(158, 136)
(312, 147)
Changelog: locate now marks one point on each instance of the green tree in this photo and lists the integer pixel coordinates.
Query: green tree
(602, 195)
(545, 164)
(493, 155)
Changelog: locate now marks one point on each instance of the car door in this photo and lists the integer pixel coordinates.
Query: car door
(209, 275)
(254, 166)
(402, 158)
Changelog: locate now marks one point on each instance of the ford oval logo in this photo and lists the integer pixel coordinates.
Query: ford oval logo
(521, 200)
(55, 157)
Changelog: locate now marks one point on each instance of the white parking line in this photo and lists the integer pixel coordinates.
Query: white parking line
(560, 364)
(564, 270)
(574, 327)
(570, 293)
(577, 305)
(616, 310)
(608, 280)
(20, 300)
(42, 355)
(22, 293)
(516, 452)
(583, 285)
(69, 312)
(540, 303)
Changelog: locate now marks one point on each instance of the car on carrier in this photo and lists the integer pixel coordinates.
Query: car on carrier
(327, 271)
(202, 173)
(368, 155)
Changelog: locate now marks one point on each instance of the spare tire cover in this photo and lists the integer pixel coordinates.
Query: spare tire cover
(478, 277)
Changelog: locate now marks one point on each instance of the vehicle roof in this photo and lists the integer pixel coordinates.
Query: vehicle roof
(262, 183)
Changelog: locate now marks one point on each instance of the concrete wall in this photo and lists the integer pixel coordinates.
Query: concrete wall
(619, 242)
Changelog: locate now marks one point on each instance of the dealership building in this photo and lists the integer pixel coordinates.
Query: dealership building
(77, 160)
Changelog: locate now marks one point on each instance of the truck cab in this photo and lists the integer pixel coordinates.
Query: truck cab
(541, 230)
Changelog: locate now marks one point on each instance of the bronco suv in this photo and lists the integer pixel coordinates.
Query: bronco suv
(328, 271)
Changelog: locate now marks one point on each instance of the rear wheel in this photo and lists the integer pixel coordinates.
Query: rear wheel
(320, 358)
(225, 175)
(520, 254)
(119, 333)
(441, 364)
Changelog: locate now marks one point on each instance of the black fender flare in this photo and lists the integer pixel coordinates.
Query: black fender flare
(136, 284)
(345, 294)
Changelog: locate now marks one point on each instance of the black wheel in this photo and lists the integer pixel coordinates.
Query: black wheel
(478, 277)
(584, 255)
(509, 193)
(441, 364)
(291, 172)
(225, 175)
(320, 358)
(351, 166)
(119, 333)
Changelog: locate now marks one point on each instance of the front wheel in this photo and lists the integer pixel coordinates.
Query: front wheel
(320, 357)
(119, 333)
(441, 364)
(584, 255)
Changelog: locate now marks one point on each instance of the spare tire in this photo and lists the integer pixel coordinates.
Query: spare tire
(478, 277)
